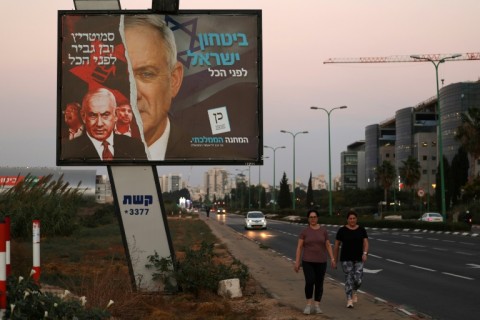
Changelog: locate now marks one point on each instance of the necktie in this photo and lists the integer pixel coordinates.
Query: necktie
(106, 154)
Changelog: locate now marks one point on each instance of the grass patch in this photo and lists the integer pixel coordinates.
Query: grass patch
(187, 233)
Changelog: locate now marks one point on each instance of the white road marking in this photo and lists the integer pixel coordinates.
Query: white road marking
(426, 269)
(371, 271)
(458, 276)
(394, 261)
(417, 245)
(465, 253)
(473, 265)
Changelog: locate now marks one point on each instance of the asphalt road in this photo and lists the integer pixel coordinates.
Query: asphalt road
(434, 274)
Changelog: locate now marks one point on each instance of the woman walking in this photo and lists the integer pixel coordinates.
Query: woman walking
(313, 246)
(354, 242)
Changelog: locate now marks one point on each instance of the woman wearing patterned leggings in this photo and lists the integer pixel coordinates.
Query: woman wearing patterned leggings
(354, 242)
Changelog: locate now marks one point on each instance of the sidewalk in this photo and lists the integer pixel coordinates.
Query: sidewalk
(276, 275)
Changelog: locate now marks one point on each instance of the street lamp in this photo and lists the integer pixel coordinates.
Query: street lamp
(329, 156)
(249, 187)
(429, 157)
(293, 184)
(436, 63)
(243, 180)
(274, 150)
(260, 185)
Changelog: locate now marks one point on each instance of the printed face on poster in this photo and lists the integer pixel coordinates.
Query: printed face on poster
(136, 87)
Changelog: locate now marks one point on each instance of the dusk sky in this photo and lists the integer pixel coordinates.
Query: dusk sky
(297, 38)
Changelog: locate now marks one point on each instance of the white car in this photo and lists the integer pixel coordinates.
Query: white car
(255, 220)
(431, 217)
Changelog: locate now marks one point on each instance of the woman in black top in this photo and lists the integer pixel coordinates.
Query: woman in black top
(354, 242)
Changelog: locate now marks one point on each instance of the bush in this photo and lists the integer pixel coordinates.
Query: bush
(103, 215)
(196, 272)
(54, 203)
(26, 301)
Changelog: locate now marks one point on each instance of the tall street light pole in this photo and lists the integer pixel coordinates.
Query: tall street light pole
(249, 187)
(241, 190)
(329, 156)
(260, 185)
(429, 157)
(274, 150)
(294, 135)
(440, 134)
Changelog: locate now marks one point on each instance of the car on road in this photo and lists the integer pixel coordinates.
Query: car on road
(221, 211)
(431, 217)
(255, 220)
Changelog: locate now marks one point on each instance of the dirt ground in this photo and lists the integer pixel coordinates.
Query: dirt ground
(256, 299)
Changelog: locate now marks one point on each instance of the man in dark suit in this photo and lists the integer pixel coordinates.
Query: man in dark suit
(99, 142)
(158, 76)
(186, 134)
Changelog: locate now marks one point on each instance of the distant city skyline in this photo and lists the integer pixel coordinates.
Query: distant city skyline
(296, 40)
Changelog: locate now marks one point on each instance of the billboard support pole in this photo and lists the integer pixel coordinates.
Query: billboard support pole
(170, 6)
(139, 204)
(143, 221)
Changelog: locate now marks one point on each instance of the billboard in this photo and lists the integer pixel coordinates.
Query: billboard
(136, 87)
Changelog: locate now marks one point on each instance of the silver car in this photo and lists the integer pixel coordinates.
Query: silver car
(255, 220)
(431, 217)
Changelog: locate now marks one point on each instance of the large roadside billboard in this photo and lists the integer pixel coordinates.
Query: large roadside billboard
(136, 87)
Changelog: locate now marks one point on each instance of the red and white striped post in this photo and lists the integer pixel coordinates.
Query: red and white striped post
(7, 251)
(36, 249)
(3, 270)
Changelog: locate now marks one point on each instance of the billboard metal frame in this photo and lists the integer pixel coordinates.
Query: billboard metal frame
(257, 159)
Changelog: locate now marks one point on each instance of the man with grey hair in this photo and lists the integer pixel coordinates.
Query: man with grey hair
(152, 52)
(100, 142)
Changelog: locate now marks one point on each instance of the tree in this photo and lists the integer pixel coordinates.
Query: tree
(301, 196)
(284, 198)
(472, 189)
(386, 174)
(309, 199)
(460, 177)
(468, 133)
(242, 196)
(263, 198)
(410, 173)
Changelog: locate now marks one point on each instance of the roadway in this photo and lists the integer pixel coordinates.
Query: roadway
(428, 273)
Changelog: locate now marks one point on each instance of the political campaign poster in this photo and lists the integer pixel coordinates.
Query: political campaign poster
(137, 87)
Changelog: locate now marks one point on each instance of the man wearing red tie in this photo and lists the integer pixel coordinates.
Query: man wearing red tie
(100, 142)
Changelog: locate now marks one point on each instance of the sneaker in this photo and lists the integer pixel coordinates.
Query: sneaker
(318, 310)
(349, 303)
(307, 309)
(354, 297)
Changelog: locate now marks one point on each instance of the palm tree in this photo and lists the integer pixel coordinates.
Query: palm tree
(459, 177)
(468, 133)
(410, 173)
(386, 174)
